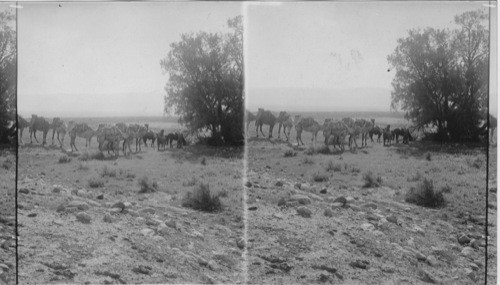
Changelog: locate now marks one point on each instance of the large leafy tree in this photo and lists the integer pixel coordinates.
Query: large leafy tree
(442, 77)
(8, 73)
(205, 86)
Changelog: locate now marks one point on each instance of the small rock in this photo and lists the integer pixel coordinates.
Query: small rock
(278, 183)
(61, 208)
(278, 216)
(241, 243)
(428, 277)
(388, 269)
(432, 261)
(463, 239)
(474, 266)
(323, 191)
(142, 269)
(349, 199)
(337, 205)
(355, 208)
(378, 234)
(304, 212)
(328, 212)
(107, 218)
(148, 211)
(253, 208)
(281, 202)
(100, 197)
(24, 191)
(83, 218)
(147, 232)
(305, 187)
(56, 189)
(80, 205)
(420, 256)
(474, 243)
(302, 199)
(368, 227)
(467, 251)
(418, 230)
(248, 184)
(363, 264)
(213, 265)
(297, 186)
(340, 200)
(372, 206)
(32, 215)
(392, 218)
(119, 205)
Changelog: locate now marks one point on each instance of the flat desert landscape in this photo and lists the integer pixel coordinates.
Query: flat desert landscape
(87, 218)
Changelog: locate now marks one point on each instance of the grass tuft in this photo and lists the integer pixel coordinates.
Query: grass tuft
(371, 181)
(108, 172)
(319, 177)
(200, 199)
(7, 164)
(86, 156)
(308, 160)
(336, 167)
(83, 166)
(425, 195)
(96, 182)
(64, 159)
(290, 153)
(146, 185)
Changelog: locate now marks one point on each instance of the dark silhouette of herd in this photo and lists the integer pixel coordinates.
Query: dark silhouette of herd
(109, 137)
(335, 132)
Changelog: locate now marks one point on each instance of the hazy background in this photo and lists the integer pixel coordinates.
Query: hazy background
(332, 56)
(103, 59)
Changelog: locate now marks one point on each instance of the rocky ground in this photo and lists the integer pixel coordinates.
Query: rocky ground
(7, 216)
(312, 220)
(86, 222)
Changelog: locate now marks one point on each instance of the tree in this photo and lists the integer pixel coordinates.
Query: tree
(205, 87)
(8, 72)
(442, 77)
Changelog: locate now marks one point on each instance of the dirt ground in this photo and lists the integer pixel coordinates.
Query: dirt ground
(86, 222)
(297, 234)
(7, 216)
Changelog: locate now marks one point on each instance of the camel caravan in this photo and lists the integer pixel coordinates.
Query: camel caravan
(336, 133)
(109, 137)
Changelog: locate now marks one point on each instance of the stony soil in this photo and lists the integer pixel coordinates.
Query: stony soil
(298, 233)
(7, 216)
(109, 233)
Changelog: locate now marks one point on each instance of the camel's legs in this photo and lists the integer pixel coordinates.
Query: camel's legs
(262, 131)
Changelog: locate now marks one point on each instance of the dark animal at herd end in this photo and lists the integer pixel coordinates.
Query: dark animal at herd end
(179, 137)
(407, 137)
(387, 135)
(396, 133)
(375, 131)
(150, 135)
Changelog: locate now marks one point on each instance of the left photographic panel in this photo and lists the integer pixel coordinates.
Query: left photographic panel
(131, 155)
(8, 134)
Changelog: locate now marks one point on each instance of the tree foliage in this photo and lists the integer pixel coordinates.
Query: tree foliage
(442, 77)
(8, 73)
(205, 87)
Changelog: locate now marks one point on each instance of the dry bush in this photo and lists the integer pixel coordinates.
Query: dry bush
(146, 185)
(7, 163)
(371, 181)
(108, 172)
(290, 153)
(336, 167)
(190, 182)
(308, 160)
(200, 199)
(64, 159)
(96, 182)
(319, 177)
(425, 195)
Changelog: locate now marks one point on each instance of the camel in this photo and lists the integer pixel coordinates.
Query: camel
(265, 118)
(59, 127)
(135, 131)
(364, 128)
(396, 133)
(353, 130)
(308, 125)
(407, 137)
(250, 117)
(387, 135)
(38, 124)
(80, 130)
(21, 125)
(161, 140)
(334, 133)
(150, 135)
(179, 137)
(285, 120)
(110, 137)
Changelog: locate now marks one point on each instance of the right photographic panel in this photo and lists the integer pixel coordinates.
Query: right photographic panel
(371, 142)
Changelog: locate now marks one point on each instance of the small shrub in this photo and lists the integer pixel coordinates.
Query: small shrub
(371, 181)
(203, 161)
(201, 200)
(96, 182)
(319, 177)
(222, 193)
(424, 195)
(64, 159)
(446, 189)
(7, 164)
(428, 156)
(290, 153)
(130, 175)
(417, 177)
(315, 150)
(355, 169)
(86, 156)
(147, 186)
(336, 167)
(308, 160)
(108, 172)
(190, 182)
(83, 166)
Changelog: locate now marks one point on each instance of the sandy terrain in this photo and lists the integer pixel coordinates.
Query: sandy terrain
(86, 222)
(7, 216)
(298, 234)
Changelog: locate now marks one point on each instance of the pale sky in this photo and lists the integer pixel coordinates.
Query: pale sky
(332, 45)
(81, 59)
